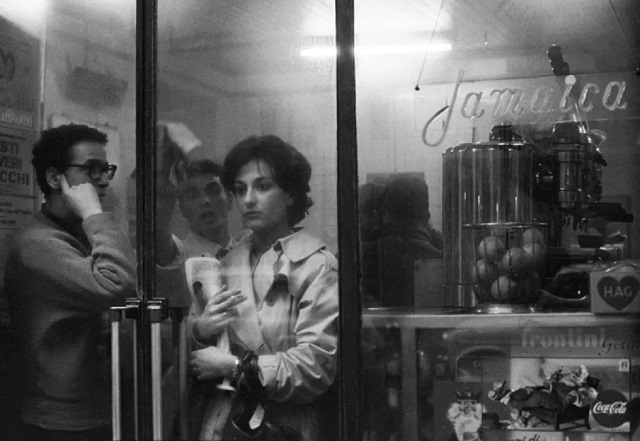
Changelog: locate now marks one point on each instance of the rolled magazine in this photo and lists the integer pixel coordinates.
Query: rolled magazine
(204, 276)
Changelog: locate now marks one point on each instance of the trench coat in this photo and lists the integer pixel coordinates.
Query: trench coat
(290, 321)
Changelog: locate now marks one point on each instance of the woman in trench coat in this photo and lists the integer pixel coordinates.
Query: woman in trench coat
(285, 331)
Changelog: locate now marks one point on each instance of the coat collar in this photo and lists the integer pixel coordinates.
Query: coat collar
(299, 245)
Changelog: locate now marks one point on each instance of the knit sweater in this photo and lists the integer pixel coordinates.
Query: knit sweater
(60, 281)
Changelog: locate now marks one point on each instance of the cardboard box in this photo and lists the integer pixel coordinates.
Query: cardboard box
(615, 289)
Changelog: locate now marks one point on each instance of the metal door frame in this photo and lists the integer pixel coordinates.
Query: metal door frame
(350, 319)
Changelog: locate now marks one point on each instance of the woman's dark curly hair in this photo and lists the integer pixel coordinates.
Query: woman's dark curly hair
(290, 168)
(53, 149)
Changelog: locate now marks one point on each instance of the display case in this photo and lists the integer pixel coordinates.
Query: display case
(448, 376)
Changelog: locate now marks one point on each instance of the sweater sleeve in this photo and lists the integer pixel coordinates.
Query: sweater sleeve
(52, 261)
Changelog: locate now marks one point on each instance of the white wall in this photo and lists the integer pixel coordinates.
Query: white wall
(111, 58)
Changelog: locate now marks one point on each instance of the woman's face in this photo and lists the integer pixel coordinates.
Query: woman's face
(261, 201)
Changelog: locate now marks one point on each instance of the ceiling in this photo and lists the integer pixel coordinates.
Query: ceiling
(210, 40)
(239, 37)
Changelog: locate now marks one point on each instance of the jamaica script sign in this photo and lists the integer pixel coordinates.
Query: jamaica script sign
(541, 101)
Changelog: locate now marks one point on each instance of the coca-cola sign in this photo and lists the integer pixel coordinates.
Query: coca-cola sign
(610, 409)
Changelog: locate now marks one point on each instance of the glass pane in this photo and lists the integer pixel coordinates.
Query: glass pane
(62, 64)
(497, 144)
(229, 71)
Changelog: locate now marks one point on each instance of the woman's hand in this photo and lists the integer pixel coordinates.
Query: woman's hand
(211, 363)
(219, 312)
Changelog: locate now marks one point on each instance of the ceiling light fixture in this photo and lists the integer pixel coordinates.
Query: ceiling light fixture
(330, 51)
(28, 14)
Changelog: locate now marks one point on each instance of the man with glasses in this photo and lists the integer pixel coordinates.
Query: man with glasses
(62, 274)
(95, 170)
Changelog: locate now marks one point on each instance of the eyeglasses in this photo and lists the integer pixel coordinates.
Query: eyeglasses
(96, 170)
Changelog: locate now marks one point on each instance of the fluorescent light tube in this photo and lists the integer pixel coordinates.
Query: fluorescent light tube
(330, 51)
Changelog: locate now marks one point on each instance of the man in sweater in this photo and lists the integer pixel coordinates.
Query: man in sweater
(63, 272)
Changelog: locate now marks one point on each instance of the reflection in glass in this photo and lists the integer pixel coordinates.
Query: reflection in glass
(62, 64)
(227, 72)
(522, 130)
(403, 236)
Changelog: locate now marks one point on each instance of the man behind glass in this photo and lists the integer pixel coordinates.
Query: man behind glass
(193, 182)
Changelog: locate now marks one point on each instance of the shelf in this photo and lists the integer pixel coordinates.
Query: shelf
(448, 318)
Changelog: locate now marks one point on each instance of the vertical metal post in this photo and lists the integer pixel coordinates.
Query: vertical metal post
(146, 115)
(156, 380)
(157, 313)
(133, 312)
(347, 169)
(116, 314)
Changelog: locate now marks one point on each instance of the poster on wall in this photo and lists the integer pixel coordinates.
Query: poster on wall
(19, 77)
(16, 172)
(15, 213)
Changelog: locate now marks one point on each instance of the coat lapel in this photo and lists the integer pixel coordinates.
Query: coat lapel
(237, 270)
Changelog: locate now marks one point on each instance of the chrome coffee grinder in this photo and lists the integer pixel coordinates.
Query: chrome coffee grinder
(493, 245)
(568, 188)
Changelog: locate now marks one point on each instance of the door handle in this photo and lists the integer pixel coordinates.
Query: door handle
(116, 314)
(158, 312)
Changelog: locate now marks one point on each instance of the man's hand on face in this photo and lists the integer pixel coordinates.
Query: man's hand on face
(82, 199)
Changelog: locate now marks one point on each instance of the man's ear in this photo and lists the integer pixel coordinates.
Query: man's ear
(53, 178)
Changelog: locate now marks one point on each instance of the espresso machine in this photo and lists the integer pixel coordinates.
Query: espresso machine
(568, 191)
(569, 180)
(512, 212)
